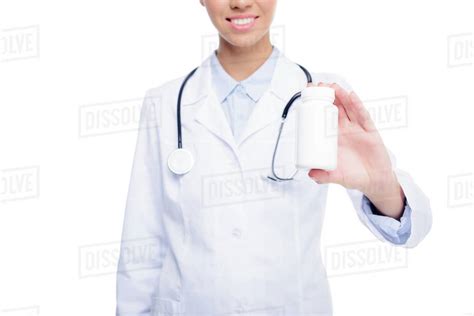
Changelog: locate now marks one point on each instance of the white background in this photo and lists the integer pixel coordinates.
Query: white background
(106, 52)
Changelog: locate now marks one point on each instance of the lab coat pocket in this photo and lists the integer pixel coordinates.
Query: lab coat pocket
(167, 307)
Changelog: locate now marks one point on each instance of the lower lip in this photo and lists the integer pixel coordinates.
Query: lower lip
(244, 27)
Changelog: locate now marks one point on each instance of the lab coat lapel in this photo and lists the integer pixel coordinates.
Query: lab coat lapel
(210, 113)
(212, 116)
(287, 80)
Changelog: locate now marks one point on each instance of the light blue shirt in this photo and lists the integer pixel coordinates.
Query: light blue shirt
(238, 99)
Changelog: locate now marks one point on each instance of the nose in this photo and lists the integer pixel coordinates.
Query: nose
(240, 4)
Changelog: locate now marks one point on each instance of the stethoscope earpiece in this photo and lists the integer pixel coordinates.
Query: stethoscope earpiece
(180, 161)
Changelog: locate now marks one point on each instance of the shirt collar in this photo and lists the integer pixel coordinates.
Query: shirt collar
(255, 85)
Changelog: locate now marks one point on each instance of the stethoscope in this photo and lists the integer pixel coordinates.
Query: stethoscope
(181, 160)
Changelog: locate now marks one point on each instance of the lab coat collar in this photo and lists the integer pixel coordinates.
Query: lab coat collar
(255, 85)
(200, 85)
(287, 80)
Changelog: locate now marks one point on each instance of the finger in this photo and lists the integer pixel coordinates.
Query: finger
(340, 94)
(343, 97)
(362, 115)
(343, 118)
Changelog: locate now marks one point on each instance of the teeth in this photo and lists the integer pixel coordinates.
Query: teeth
(242, 21)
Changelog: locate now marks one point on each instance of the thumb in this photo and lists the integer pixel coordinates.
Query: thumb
(320, 176)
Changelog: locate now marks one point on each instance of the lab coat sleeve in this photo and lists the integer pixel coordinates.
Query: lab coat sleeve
(415, 222)
(143, 246)
(395, 231)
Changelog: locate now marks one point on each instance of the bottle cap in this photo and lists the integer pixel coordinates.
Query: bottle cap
(320, 93)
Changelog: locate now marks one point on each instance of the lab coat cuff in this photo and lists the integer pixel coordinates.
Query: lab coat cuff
(395, 231)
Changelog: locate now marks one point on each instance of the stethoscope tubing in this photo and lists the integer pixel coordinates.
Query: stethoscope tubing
(178, 107)
(283, 116)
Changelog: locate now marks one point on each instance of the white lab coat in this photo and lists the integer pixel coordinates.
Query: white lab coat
(222, 240)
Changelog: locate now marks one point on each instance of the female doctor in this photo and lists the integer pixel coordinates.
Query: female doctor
(206, 232)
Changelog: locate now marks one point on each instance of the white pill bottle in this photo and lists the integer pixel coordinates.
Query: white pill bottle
(316, 129)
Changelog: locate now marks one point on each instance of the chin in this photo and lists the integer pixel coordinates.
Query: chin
(244, 41)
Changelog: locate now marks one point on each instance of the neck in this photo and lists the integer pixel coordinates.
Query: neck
(241, 62)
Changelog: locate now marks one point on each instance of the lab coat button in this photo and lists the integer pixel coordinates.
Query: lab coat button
(239, 308)
(236, 232)
(241, 305)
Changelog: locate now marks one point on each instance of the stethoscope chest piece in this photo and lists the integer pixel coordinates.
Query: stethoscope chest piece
(180, 161)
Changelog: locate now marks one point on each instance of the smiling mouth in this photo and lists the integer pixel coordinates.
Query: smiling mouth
(242, 22)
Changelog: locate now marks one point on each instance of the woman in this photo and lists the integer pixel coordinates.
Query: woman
(221, 239)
